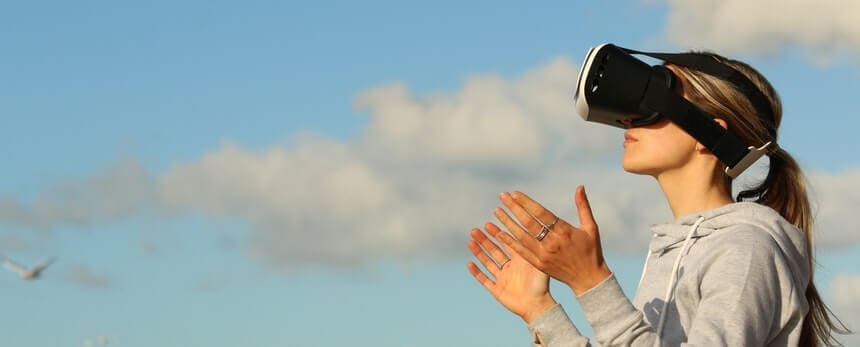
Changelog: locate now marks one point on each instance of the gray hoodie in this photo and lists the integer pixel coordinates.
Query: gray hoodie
(740, 280)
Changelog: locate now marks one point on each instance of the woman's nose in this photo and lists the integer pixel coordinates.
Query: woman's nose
(628, 122)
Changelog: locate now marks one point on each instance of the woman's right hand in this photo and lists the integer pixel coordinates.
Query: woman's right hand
(516, 284)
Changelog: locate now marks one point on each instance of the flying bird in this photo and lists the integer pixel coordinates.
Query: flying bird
(27, 274)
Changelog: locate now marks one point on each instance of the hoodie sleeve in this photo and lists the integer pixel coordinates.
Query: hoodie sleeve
(554, 328)
(616, 322)
(607, 309)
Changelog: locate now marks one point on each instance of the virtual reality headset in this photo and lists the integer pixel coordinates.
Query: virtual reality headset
(617, 89)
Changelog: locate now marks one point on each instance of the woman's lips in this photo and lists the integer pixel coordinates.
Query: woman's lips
(628, 139)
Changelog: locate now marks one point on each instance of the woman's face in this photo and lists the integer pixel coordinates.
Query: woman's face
(656, 148)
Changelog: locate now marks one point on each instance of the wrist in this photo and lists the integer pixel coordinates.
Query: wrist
(582, 285)
(538, 308)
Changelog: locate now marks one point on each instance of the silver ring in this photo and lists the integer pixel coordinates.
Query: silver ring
(545, 228)
(502, 265)
(550, 225)
(543, 231)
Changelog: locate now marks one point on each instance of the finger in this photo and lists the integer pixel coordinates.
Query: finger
(523, 217)
(482, 278)
(496, 253)
(519, 249)
(515, 229)
(583, 207)
(494, 232)
(533, 208)
(482, 257)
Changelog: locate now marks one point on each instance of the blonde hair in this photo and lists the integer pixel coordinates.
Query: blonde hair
(784, 187)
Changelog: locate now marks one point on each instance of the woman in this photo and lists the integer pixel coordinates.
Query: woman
(722, 273)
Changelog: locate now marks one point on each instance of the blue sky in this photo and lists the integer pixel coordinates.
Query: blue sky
(265, 173)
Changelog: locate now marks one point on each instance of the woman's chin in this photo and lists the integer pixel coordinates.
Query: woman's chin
(633, 168)
(635, 172)
(629, 166)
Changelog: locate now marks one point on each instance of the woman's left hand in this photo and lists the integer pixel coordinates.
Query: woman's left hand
(515, 283)
(570, 254)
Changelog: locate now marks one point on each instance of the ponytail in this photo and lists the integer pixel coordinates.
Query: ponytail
(784, 190)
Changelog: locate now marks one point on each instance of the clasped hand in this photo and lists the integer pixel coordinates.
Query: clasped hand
(570, 254)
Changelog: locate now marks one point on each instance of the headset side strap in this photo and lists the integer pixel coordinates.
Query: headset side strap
(725, 145)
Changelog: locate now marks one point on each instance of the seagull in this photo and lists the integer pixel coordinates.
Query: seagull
(27, 274)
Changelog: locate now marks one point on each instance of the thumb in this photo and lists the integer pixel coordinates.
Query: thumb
(586, 218)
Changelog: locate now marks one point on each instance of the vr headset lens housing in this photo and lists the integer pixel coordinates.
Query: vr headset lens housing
(612, 84)
(619, 90)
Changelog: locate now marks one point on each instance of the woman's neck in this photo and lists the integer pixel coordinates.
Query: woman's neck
(690, 191)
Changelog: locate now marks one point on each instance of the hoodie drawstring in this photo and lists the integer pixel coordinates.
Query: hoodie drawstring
(670, 289)
(644, 270)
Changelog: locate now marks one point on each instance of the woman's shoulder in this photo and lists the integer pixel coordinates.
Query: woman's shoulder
(755, 235)
(740, 240)
(755, 227)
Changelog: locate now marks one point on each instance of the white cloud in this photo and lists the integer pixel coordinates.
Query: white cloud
(491, 121)
(429, 167)
(114, 193)
(314, 203)
(835, 197)
(425, 170)
(825, 30)
(845, 294)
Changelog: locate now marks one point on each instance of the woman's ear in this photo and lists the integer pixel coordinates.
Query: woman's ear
(700, 148)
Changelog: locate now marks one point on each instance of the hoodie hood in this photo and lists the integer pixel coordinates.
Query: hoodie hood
(790, 239)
